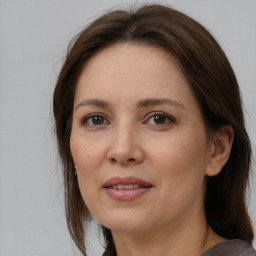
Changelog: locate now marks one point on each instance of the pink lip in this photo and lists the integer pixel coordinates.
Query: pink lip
(123, 194)
(125, 181)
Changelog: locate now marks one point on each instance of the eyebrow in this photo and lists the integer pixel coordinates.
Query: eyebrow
(141, 104)
(95, 102)
(154, 102)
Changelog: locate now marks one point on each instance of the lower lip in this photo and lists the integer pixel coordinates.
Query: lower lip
(126, 195)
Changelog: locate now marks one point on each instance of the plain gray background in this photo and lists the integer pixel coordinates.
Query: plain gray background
(33, 40)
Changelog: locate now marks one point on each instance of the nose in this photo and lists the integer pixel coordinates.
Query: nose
(125, 148)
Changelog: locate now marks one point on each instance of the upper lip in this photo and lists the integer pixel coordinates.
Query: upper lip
(125, 181)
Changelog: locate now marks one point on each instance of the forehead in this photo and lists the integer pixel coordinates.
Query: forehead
(131, 57)
(131, 67)
(128, 73)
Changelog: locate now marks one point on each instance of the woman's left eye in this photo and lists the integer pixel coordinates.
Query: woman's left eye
(160, 119)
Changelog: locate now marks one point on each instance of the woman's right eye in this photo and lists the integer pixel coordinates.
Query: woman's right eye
(94, 120)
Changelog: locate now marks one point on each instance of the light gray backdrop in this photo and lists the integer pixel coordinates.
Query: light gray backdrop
(33, 38)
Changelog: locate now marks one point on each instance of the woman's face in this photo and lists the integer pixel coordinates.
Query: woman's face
(138, 141)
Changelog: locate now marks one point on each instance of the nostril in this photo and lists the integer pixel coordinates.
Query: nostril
(113, 160)
(131, 160)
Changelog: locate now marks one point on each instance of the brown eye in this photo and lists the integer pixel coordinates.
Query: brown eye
(97, 120)
(94, 120)
(159, 119)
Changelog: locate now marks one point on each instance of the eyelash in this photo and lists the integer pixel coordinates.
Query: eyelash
(168, 118)
(85, 120)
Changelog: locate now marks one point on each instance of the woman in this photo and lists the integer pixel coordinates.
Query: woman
(152, 139)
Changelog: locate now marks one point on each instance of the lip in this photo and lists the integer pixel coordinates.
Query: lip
(123, 194)
(125, 181)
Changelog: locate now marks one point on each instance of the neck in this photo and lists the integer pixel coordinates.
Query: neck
(186, 238)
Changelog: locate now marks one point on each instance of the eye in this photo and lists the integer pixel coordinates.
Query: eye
(94, 120)
(160, 119)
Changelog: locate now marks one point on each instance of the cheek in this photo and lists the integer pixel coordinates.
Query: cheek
(180, 160)
(179, 170)
(86, 155)
(88, 158)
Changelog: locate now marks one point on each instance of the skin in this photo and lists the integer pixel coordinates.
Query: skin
(175, 155)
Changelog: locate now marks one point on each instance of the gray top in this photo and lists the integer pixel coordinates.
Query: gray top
(234, 247)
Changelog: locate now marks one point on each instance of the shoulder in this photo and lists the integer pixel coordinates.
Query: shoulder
(234, 247)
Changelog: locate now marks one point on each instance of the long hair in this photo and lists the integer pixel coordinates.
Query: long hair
(213, 83)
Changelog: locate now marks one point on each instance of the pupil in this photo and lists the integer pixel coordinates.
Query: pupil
(97, 120)
(159, 119)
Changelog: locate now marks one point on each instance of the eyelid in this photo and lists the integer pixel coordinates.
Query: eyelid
(155, 113)
(84, 119)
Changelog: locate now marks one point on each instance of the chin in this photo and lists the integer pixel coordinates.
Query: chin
(123, 223)
(126, 228)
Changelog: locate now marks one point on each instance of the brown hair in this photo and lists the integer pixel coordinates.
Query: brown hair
(214, 84)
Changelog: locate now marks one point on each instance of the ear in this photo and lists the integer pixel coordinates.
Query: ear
(220, 150)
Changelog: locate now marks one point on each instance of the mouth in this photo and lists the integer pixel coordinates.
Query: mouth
(126, 183)
(126, 189)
